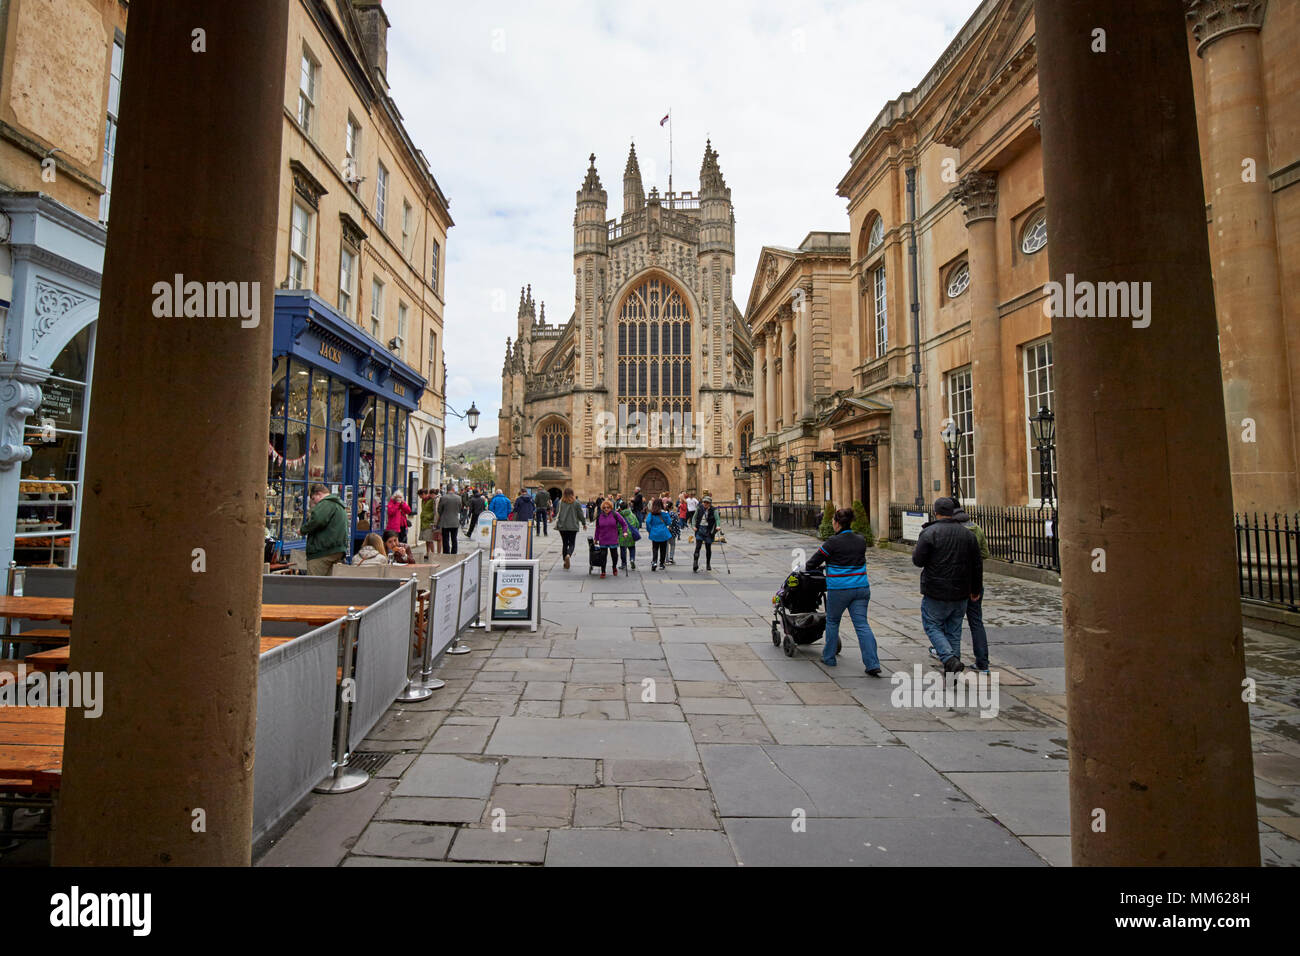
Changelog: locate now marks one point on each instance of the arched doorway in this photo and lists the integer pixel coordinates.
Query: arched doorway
(555, 494)
(653, 482)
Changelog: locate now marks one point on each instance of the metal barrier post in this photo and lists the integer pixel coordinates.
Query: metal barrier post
(427, 681)
(344, 779)
(477, 624)
(6, 644)
(414, 692)
(458, 646)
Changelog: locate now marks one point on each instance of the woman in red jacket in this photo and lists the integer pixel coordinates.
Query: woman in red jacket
(399, 513)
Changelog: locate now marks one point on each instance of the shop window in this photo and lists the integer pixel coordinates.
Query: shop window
(110, 127)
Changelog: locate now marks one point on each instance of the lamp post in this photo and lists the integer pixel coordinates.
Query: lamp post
(470, 416)
(1044, 429)
(952, 435)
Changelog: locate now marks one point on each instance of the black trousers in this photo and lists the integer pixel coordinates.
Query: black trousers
(604, 553)
(568, 538)
(708, 551)
(449, 540)
(539, 520)
(658, 552)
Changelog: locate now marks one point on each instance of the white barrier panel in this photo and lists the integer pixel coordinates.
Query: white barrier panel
(295, 723)
(446, 608)
(383, 655)
(470, 586)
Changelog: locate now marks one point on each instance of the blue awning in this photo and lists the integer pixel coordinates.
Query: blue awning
(308, 329)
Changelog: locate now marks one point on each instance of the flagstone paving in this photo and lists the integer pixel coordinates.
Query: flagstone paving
(650, 721)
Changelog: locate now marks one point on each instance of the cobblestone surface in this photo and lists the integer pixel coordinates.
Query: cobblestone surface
(651, 721)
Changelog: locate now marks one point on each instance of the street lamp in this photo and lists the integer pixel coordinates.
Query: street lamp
(471, 416)
(952, 435)
(1044, 429)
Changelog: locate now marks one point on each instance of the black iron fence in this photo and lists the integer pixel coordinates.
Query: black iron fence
(1268, 549)
(794, 516)
(735, 516)
(1017, 535)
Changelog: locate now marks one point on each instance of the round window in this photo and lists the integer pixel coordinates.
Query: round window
(959, 280)
(1035, 235)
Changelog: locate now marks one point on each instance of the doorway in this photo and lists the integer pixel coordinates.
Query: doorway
(653, 483)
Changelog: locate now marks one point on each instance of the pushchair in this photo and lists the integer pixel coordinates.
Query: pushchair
(798, 616)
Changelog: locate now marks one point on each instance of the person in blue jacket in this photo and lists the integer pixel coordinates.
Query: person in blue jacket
(657, 526)
(500, 506)
(524, 507)
(847, 588)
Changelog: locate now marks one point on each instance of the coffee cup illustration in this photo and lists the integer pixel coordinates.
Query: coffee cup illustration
(509, 594)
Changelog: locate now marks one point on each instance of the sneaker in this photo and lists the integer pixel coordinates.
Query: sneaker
(953, 665)
(829, 663)
(874, 672)
(616, 572)
(935, 654)
(602, 573)
(671, 561)
(633, 565)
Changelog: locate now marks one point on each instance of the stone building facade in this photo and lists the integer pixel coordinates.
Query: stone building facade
(649, 381)
(957, 163)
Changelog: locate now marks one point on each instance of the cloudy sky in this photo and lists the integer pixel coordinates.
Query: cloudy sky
(508, 102)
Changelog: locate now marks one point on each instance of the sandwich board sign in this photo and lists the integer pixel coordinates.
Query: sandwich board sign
(514, 594)
(512, 540)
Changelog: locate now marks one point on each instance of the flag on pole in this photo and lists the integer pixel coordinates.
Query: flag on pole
(665, 119)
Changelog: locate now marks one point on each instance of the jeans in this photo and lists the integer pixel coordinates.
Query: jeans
(708, 552)
(626, 553)
(449, 540)
(568, 538)
(855, 601)
(672, 549)
(979, 638)
(539, 520)
(942, 622)
(658, 553)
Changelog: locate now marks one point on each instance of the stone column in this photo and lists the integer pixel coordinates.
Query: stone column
(1247, 284)
(789, 371)
(760, 387)
(1160, 760)
(168, 598)
(773, 393)
(20, 397)
(978, 194)
(804, 340)
(881, 490)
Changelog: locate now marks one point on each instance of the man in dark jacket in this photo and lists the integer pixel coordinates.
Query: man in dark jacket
(449, 520)
(326, 531)
(952, 573)
(476, 506)
(524, 506)
(542, 502)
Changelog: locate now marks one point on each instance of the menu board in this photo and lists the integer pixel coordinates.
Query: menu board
(469, 588)
(912, 524)
(512, 540)
(515, 594)
(446, 608)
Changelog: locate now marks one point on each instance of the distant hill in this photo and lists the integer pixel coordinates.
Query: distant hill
(475, 449)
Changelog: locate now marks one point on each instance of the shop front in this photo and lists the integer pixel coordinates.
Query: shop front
(340, 408)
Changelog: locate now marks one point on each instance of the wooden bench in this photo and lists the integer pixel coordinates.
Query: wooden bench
(51, 636)
(31, 748)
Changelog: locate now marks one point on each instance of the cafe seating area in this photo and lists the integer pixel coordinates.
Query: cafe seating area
(368, 628)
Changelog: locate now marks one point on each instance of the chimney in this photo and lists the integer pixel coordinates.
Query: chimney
(374, 33)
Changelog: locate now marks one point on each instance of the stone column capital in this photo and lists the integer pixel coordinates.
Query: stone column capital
(1213, 19)
(978, 194)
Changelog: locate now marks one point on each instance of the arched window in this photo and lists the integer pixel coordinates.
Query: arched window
(553, 445)
(654, 322)
(877, 235)
(746, 436)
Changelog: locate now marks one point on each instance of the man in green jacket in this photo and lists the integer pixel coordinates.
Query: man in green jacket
(326, 531)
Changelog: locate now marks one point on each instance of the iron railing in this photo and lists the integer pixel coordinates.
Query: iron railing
(1017, 535)
(795, 516)
(1268, 550)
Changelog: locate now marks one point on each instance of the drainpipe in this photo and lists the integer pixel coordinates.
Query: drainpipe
(916, 334)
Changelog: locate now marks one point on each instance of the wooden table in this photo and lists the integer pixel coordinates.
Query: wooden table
(60, 609)
(31, 748)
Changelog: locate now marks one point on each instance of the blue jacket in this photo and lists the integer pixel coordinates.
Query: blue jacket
(500, 506)
(845, 555)
(657, 527)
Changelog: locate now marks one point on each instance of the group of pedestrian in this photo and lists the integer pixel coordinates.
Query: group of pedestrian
(950, 552)
(619, 522)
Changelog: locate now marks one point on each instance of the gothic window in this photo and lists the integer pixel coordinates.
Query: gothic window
(553, 444)
(654, 322)
(746, 436)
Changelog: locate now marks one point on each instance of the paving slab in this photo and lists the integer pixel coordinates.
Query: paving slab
(454, 738)
(716, 705)
(708, 689)
(941, 842)
(433, 809)
(821, 725)
(669, 809)
(597, 647)
(638, 848)
(1024, 655)
(543, 690)
(878, 781)
(510, 846)
(595, 709)
(412, 840)
(538, 708)
(597, 807)
(530, 805)
(654, 773)
(575, 737)
(728, 729)
(553, 770)
(976, 751)
(445, 775)
(1027, 803)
